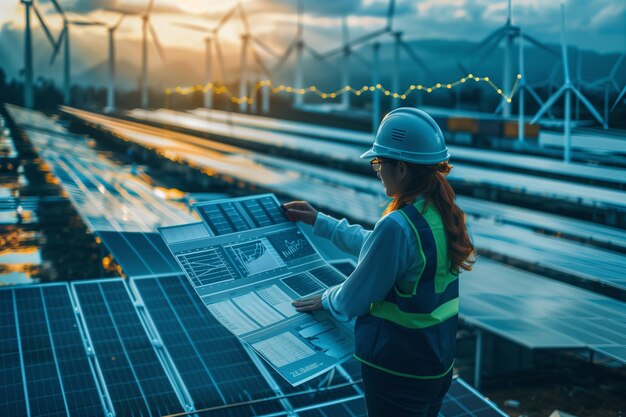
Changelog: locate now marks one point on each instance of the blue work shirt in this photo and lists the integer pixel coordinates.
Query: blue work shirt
(386, 254)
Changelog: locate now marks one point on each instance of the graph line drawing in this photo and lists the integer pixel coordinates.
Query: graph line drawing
(253, 257)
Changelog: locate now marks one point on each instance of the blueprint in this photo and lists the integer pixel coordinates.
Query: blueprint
(248, 262)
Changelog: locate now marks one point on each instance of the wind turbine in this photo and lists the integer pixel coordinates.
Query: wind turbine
(621, 94)
(348, 49)
(64, 38)
(508, 32)
(399, 45)
(111, 90)
(146, 26)
(299, 45)
(28, 51)
(210, 41)
(608, 83)
(566, 90)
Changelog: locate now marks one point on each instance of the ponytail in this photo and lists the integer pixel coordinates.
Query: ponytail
(430, 182)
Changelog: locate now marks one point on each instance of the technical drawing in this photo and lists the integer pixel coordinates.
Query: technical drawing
(206, 267)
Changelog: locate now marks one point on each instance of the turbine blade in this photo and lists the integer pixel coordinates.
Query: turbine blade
(149, 8)
(57, 7)
(490, 48)
(191, 26)
(43, 25)
(119, 22)
(259, 62)
(548, 104)
(57, 45)
(122, 11)
(264, 46)
(284, 56)
(617, 64)
(460, 66)
(155, 39)
(496, 34)
(244, 18)
(589, 106)
(390, 13)
(225, 19)
(220, 58)
(315, 54)
(539, 44)
(368, 37)
(619, 98)
(411, 53)
(361, 59)
(82, 23)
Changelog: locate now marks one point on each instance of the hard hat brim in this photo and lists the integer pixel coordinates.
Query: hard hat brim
(369, 154)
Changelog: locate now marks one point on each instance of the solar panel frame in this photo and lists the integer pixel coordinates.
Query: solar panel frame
(141, 357)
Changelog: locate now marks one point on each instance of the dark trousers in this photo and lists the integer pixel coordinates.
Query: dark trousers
(388, 395)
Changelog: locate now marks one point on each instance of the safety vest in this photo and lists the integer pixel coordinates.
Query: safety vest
(412, 332)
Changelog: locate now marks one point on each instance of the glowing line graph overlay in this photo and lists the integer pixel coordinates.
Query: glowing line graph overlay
(281, 88)
(254, 257)
(206, 267)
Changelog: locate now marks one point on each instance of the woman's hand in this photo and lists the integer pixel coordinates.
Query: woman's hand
(300, 211)
(312, 303)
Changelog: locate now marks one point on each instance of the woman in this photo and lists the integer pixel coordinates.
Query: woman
(404, 290)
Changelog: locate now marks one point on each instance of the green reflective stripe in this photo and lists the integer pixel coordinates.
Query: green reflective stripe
(390, 311)
(380, 368)
(403, 288)
(420, 253)
(443, 276)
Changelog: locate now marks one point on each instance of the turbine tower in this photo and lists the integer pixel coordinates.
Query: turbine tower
(566, 90)
(110, 107)
(28, 51)
(64, 38)
(147, 25)
(508, 32)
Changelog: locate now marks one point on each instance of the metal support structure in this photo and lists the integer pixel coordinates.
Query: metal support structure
(298, 99)
(478, 359)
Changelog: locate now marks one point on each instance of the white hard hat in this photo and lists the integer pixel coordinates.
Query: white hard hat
(411, 135)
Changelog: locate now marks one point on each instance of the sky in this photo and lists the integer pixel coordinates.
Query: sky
(591, 24)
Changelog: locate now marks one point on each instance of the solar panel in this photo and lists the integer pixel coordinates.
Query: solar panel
(44, 368)
(140, 254)
(131, 368)
(540, 313)
(464, 401)
(212, 363)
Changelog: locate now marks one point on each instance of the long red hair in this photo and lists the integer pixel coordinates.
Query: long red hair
(430, 182)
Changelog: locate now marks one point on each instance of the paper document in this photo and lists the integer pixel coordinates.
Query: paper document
(248, 262)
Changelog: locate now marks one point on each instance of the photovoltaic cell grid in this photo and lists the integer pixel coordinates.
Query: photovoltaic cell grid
(134, 375)
(211, 361)
(44, 367)
(541, 313)
(45, 370)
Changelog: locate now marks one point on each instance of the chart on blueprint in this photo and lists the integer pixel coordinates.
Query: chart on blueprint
(248, 262)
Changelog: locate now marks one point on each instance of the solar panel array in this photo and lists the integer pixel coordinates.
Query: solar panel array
(150, 348)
